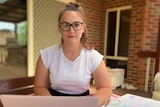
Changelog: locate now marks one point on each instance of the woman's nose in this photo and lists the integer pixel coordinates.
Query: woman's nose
(71, 29)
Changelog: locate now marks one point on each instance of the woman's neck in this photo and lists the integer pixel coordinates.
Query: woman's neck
(72, 52)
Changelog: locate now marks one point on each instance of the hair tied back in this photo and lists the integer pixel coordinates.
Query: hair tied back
(73, 4)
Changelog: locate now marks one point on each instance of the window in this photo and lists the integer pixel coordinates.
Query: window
(117, 37)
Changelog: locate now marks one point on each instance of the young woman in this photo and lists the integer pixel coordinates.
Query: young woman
(66, 69)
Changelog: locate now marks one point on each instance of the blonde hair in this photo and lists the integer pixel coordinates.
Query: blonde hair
(76, 7)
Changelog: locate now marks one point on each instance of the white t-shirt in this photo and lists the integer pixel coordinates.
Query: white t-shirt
(70, 77)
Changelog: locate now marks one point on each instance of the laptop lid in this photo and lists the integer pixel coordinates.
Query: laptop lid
(47, 101)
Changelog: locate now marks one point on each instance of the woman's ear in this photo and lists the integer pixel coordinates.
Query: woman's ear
(58, 26)
(84, 28)
(59, 29)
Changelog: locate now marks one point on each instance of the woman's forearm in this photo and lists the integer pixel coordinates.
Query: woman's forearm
(41, 91)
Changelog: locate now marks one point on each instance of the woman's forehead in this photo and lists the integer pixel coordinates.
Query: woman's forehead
(71, 16)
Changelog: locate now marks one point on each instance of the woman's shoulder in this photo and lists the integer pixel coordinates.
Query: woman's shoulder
(50, 50)
(91, 51)
(51, 47)
(48, 54)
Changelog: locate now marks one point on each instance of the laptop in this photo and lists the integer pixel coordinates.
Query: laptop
(47, 101)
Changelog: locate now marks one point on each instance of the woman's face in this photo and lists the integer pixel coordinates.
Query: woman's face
(71, 35)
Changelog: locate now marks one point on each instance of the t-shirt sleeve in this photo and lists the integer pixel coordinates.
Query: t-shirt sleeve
(47, 55)
(44, 57)
(95, 59)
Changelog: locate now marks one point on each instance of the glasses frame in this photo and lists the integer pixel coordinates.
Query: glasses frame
(70, 26)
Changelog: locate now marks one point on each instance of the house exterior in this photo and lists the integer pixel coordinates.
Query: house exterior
(143, 33)
(144, 24)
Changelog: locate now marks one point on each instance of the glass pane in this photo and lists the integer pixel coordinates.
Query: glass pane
(22, 33)
(124, 33)
(111, 33)
(117, 64)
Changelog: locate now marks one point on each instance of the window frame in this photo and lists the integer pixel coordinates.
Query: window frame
(115, 56)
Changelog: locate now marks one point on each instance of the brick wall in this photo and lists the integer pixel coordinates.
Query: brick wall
(143, 33)
(95, 23)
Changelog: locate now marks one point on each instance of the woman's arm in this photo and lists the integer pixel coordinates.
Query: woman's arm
(41, 82)
(102, 84)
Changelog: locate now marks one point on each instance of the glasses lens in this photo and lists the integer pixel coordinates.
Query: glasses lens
(77, 25)
(65, 26)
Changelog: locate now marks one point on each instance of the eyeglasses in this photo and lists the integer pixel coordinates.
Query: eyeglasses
(66, 26)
